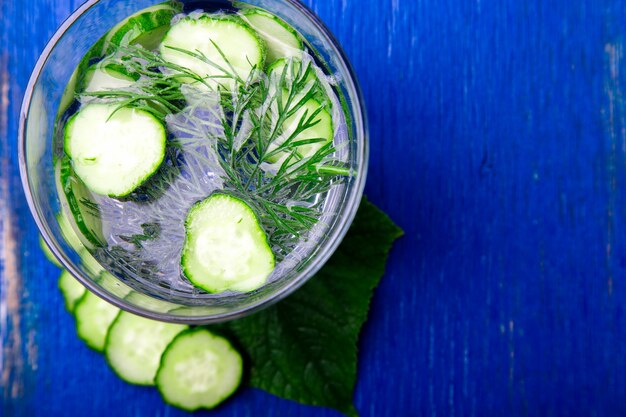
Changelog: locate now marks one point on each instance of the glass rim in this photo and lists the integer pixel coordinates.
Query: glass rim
(338, 232)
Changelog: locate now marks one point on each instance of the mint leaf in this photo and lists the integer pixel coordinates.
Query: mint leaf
(305, 347)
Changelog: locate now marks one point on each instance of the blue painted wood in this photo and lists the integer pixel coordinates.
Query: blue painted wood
(498, 131)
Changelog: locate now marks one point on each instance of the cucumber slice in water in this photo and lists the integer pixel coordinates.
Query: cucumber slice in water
(48, 253)
(71, 289)
(106, 77)
(68, 232)
(93, 319)
(146, 27)
(114, 150)
(232, 47)
(198, 370)
(134, 346)
(112, 284)
(225, 247)
(281, 39)
(85, 213)
(90, 263)
(320, 133)
(292, 66)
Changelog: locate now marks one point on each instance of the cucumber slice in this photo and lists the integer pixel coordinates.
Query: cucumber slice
(48, 253)
(228, 43)
(69, 94)
(281, 39)
(113, 285)
(90, 263)
(106, 77)
(114, 150)
(225, 247)
(322, 132)
(292, 66)
(149, 303)
(134, 346)
(68, 232)
(85, 213)
(146, 27)
(71, 289)
(93, 319)
(198, 370)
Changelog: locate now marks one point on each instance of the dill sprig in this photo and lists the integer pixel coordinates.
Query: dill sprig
(262, 161)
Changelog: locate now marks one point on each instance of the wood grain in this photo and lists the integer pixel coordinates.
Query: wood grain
(498, 136)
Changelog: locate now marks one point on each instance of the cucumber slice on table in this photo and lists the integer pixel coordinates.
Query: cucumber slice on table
(198, 370)
(134, 346)
(93, 319)
(231, 45)
(71, 289)
(114, 150)
(48, 253)
(282, 40)
(225, 247)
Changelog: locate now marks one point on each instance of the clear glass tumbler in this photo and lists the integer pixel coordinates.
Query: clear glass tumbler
(43, 95)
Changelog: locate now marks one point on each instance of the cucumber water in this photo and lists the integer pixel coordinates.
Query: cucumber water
(205, 150)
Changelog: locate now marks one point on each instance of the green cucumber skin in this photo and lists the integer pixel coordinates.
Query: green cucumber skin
(74, 203)
(197, 205)
(163, 357)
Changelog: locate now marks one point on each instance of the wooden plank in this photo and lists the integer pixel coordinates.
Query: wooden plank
(498, 141)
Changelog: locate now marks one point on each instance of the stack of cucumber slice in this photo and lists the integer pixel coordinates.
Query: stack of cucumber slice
(192, 368)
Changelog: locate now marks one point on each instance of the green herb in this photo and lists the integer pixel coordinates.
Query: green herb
(251, 117)
(305, 347)
(151, 231)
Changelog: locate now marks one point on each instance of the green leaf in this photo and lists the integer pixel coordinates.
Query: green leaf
(305, 347)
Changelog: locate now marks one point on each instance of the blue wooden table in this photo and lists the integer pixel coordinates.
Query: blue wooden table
(498, 133)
